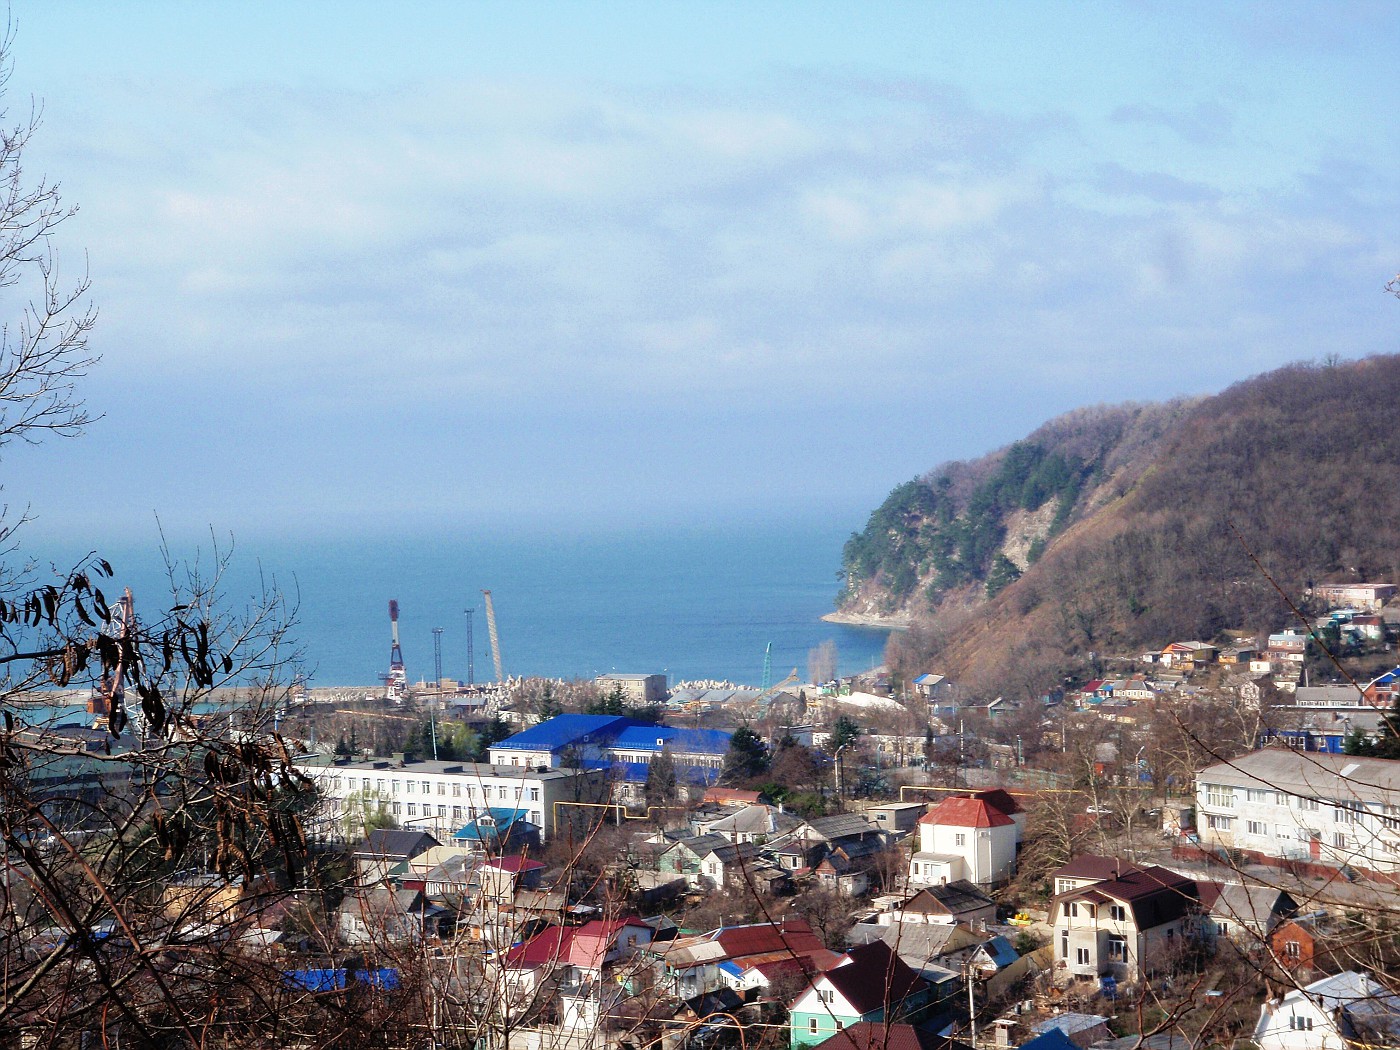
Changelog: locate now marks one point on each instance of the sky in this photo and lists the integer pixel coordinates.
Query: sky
(581, 266)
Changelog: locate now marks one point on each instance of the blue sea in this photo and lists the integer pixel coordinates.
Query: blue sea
(692, 603)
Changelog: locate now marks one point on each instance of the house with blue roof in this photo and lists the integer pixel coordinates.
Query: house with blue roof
(499, 830)
(624, 746)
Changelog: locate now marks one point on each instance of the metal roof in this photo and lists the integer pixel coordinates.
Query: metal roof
(1312, 774)
(562, 731)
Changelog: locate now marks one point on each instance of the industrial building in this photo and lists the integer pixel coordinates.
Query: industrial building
(623, 746)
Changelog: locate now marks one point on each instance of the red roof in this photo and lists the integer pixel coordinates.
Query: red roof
(966, 813)
(793, 935)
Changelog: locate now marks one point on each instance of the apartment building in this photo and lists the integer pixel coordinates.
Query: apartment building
(1126, 925)
(1281, 805)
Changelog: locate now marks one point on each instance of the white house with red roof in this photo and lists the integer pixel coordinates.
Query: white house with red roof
(971, 837)
(586, 969)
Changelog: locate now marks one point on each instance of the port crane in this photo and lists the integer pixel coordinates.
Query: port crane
(396, 680)
(495, 638)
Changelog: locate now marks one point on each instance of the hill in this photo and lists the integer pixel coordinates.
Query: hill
(1114, 528)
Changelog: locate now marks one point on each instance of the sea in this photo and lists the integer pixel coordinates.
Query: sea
(693, 603)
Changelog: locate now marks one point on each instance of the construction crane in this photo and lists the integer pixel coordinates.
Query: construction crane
(109, 697)
(495, 638)
(471, 655)
(396, 681)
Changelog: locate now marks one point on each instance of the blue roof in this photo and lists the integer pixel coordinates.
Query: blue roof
(327, 980)
(562, 731)
(505, 820)
(1000, 951)
(641, 737)
(732, 968)
(636, 772)
(1054, 1039)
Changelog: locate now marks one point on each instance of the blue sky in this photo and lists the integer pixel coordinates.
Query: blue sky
(579, 265)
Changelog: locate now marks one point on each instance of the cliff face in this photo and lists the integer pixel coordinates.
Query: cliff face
(1113, 528)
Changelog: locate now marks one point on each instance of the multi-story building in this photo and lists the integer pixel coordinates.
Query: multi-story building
(1281, 805)
(1125, 926)
(623, 746)
(637, 688)
(968, 838)
(444, 797)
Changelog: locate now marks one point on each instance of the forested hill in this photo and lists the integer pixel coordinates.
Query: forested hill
(1113, 528)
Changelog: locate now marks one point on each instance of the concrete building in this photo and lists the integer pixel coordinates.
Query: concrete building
(443, 797)
(966, 838)
(1281, 805)
(637, 688)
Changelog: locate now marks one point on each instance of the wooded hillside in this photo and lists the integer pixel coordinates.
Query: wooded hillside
(1110, 529)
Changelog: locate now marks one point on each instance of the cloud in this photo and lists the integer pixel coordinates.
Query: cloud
(1204, 124)
(537, 262)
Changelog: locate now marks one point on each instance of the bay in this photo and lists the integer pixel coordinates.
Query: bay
(693, 603)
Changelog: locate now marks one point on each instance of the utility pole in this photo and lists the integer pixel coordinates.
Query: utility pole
(437, 686)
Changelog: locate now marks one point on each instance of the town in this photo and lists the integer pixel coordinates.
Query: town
(1196, 848)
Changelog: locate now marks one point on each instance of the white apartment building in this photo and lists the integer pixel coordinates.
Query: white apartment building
(1280, 804)
(441, 797)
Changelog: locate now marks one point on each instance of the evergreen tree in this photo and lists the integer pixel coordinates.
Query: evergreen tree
(746, 759)
(1387, 742)
(548, 705)
(661, 780)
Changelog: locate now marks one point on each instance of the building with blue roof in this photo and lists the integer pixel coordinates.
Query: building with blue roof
(623, 745)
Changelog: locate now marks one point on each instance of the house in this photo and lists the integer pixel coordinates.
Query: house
(1382, 690)
(386, 849)
(1087, 869)
(380, 916)
(1279, 806)
(936, 951)
(1369, 596)
(756, 823)
(1126, 926)
(965, 838)
(685, 856)
(499, 830)
(1316, 942)
(726, 865)
(1349, 1009)
(741, 957)
(500, 878)
(586, 969)
(868, 983)
(1245, 913)
(958, 901)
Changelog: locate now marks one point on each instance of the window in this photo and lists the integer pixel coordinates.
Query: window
(827, 996)
(1117, 948)
(413, 809)
(442, 788)
(1117, 912)
(456, 812)
(1064, 885)
(395, 809)
(1223, 929)
(1221, 796)
(1300, 1024)
(1081, 956)
(456, 790)
(960, 839)
(1064, 946)
(1339, 840)
(840, 1025)
(442, 811)
(393, 787)
(534, 794)
(1219, 823)
(1071, 909)
(812, 1025)
(1291, 950)
(411, 785)
(1256, 827)
(1256, 795)
(1307, 805)
(427, 788)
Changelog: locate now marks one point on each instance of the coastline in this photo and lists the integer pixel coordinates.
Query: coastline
(884, 623)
